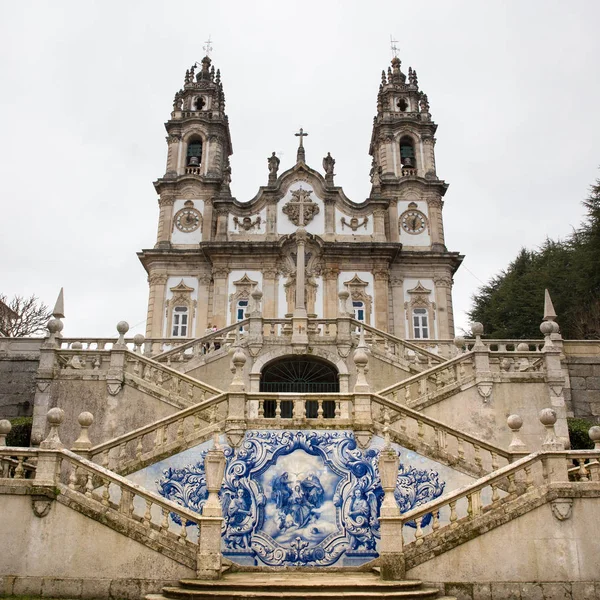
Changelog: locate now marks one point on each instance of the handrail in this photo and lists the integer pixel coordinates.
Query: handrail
(434, 423)
(209, 336)
(427, 373)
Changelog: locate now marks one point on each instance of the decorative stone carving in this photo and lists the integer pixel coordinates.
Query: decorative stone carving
(381, 274)
(173, 138)
(357, 289)
(273, 162)
(301, 209)
(166, 201)
(246, 223)
(443, 281)
(243, 291)
(220, 272)
(354, 223)
(419, 299)
(157, 278)
(562, 508)
(41, 506)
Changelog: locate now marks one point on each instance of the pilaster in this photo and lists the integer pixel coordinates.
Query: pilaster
(270, 294)
(220, 275)
(202, 306)
(156, 305)
(381, 276)
(435, 206)
(207, 220)
(393, 217)
(442, 285)
(165, 221)
(330, 292)
(397, 284)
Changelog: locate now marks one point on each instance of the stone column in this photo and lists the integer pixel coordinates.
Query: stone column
(379, 225)
(428, 155)
(300, 318)
(443, 283)
(393, 217)
(172, 153)
(165, 221)
(156, 305)
(330, 292)
(271, 228)
(435, 206)
(381, 276)
(398, 307)
(220, 301)
(207, 220)
(180, 158)
(222, 215)
(202, 305)
(270, 293)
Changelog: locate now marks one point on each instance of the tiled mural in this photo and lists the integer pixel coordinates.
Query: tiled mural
(300, 498)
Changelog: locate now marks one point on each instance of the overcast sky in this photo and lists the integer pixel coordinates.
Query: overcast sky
(87, 86)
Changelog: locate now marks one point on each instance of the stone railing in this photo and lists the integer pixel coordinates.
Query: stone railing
(17, 463)
(322, 328)
(505, 345)
(83, 359)
(166, 382)
(397, 348)
(207, 344)
(467, 503)
(437, 440)
(274, 328)
(433, 384)
(298, 409)
(165, 437)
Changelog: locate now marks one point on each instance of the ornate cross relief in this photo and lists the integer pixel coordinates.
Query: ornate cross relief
(301, 209)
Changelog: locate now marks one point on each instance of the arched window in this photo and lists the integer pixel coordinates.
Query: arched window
(180, 321)
(194, 153)
(407, 153)
(420, 324)
(359, 310)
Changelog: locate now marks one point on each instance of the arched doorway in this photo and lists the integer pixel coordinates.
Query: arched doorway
(300, 375)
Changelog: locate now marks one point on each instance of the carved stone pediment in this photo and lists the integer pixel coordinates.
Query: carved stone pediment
(419, 289)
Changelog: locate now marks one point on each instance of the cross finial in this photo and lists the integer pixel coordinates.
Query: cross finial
(393, 46)
(208, 46)
(300, 156)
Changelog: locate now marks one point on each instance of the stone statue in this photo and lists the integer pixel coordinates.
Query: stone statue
(424, 103)
(227, 175)
(177, 101)
(328, 164)
(273, 163)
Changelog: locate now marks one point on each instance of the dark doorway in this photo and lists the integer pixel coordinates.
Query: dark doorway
(300, 375)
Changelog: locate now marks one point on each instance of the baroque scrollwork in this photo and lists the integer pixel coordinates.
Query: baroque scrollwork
(354, 223)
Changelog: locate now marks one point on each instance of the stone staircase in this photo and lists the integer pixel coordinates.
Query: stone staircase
(290, 585)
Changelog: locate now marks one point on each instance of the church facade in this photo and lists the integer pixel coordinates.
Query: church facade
(300, 241)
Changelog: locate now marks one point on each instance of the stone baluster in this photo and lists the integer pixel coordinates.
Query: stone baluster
(255, 327)
(209, 543)
(391, 553)
(49, 463)
(594, 465)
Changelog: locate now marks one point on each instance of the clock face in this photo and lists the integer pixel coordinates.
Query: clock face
(187, 220)
(413, 221)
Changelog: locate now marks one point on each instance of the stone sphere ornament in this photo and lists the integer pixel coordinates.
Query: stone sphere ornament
(76, 346)
(5, 427)
(514, 422)
(546, 327)
(522, 347)
(122, 327)
(55, 416)
(477, 328)
(85, 419)
(55, 325)
(594, 434)
(547, 416)
(138, 339)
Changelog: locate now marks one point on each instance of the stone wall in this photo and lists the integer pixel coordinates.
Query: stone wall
(583, 363)
(19, 358)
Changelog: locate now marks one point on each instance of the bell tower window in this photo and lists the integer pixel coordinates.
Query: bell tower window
(199, 103)
(180, 321)
(402, 105)
(420, 324)
(407, 153)
(194, 153)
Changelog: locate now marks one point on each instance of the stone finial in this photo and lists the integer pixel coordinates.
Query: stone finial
(343, 296)
(122, 329)
(238, 360)
(460, 343)
(5, 428)
(256, 297)
(83, 442)
(594, 434)
(549, 312)
(58, 312)
(361, 360)
(54, 417)
(55, 326)
(138, 340)
(477, 329)
(214, 469)
(548, 419)
(515, 422)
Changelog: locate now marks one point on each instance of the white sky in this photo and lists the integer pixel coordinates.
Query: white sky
(86, 87)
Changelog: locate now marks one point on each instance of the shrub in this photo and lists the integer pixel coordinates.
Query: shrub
(20, 434)
(578, 434)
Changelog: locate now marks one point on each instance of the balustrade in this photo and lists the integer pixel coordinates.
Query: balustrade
(307, 407)
(17, 463)
(451, 445)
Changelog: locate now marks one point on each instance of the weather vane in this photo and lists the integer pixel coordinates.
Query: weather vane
(208, 46)
(395, 48)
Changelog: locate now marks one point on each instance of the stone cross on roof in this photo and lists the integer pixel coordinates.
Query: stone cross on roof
(301, 155)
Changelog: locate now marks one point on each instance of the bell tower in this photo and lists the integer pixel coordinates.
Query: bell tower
(402, 147)
(199, 146)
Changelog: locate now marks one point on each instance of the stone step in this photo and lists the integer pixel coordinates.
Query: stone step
(297, 586)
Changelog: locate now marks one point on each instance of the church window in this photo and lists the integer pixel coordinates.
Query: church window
(420, 324)
(240, 311)
(407, 153)
(180, 321)
(403, 105)
(194, 153)
(199, 103)
(359, 311)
